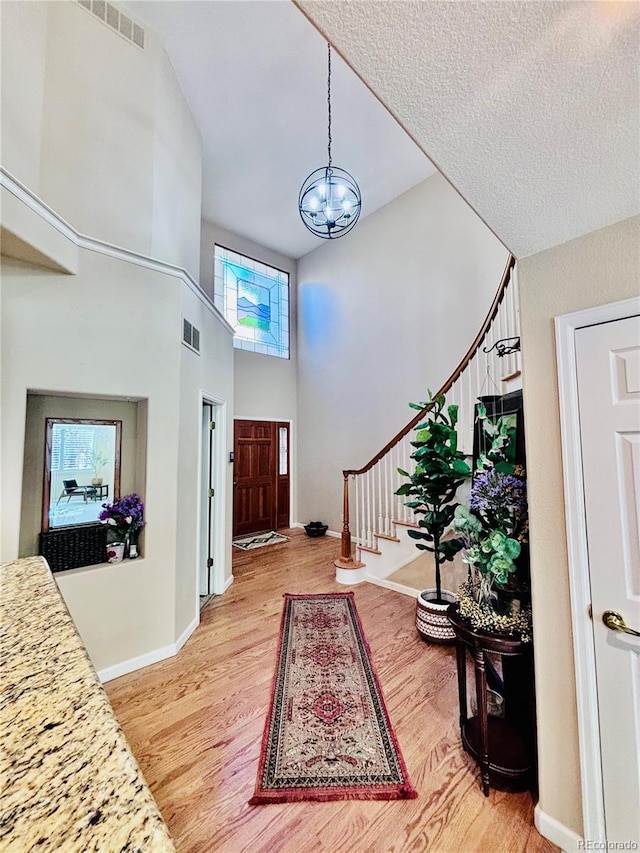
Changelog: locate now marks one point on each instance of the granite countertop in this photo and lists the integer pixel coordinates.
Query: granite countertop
(68, 779)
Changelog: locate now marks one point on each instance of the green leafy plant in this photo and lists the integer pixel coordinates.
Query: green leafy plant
(501, 433)
(492, 553)
(494, 526)
(439, 471)
(98, 460)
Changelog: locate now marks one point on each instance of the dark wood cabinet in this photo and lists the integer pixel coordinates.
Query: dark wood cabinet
(503, 745)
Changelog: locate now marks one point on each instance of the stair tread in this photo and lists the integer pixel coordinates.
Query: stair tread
(387, 537)
(406, 524)
(511, 376)
(370, 550)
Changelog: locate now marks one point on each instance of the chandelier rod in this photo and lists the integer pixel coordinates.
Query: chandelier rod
(329, 100)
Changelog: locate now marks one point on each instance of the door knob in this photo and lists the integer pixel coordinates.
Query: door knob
(615, 622)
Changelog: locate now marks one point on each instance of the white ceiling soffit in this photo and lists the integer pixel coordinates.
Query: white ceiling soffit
(531, 109)
(254, 74)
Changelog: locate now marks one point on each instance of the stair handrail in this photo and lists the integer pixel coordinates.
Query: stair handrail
(473, 349)
(346, 560)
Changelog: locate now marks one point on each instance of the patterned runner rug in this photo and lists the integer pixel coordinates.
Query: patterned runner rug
(327, 734)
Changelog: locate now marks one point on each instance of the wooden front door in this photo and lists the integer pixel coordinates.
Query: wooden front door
(261, 476)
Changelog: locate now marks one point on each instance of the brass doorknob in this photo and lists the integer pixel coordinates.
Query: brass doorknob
(615, 622)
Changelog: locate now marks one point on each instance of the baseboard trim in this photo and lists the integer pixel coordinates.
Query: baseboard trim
(188, 631)
(139, 662)
(396, 587)
(566, 839)
(155, 656)
(227, 583)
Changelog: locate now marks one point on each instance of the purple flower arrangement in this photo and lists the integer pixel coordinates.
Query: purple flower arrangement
(125, 515)
(500, 501)
(494, 526)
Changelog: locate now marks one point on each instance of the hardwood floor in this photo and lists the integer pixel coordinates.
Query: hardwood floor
(195, 725)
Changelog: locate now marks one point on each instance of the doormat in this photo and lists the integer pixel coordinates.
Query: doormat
(248, 542)
(327, 734)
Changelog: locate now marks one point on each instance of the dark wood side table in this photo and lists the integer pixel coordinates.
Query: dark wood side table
(504, 746)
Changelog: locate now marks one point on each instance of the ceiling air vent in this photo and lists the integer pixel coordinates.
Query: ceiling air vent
(190, 335)
(113, 17)
(115, 20)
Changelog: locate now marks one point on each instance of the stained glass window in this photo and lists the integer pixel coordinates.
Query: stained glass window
(254, 298)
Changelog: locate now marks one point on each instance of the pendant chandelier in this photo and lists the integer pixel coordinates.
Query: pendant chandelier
(329, 201)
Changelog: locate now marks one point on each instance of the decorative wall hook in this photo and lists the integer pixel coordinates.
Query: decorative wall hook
(503, 347)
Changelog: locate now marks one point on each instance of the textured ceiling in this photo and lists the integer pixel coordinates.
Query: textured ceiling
(254, 74)
(530, 109)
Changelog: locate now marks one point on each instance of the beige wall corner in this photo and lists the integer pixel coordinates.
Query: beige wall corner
(596, 269)
(208, 375)
(99, 130)
(27, 236)
(384, 315)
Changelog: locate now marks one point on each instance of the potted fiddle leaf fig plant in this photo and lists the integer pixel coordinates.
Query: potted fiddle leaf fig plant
(440, 469)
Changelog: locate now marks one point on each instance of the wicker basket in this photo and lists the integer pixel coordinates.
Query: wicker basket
(432, 621)
(71, 547)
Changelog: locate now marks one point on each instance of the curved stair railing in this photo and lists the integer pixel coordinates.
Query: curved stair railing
(377, 508)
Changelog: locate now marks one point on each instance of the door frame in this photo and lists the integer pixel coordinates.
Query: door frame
(218, 462)
(566, 327)
(292, 456)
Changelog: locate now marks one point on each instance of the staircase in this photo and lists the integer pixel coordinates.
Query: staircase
(373, 516)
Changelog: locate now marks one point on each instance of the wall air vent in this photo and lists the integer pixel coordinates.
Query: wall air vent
(115, 20)
(190, 335)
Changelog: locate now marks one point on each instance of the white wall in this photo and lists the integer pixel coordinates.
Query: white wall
(129, 610)
(99, 130)
(23, 31)
(60, 334)
(383, 314)
(209, 374)
(593, 270)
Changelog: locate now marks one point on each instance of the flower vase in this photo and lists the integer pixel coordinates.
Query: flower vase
(115, 552)
(132, 544)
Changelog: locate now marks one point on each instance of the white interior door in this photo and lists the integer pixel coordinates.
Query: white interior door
(206, 562)
(608, 373)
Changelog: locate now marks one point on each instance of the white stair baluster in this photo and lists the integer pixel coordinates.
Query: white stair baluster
(380, 526)
(358, 522)
(369, 536)
(407, 466)
(387, 486)
(398, 507)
